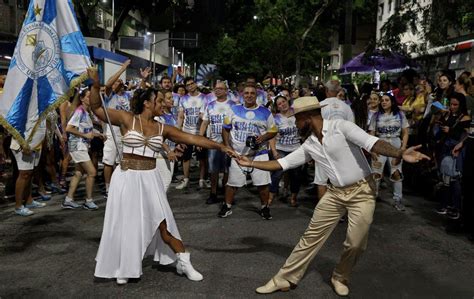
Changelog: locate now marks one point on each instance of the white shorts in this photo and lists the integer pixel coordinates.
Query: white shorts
(27, 162)
(110, 152)
(237, 178)
(80, 156)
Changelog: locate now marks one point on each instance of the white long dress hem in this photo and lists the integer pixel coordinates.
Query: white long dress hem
(136, 206)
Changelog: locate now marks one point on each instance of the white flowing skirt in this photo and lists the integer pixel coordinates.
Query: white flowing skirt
(166, 169)
(136, 206)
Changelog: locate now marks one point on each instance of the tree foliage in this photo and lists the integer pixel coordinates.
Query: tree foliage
(256, 41)
(281, 33)
(432, 23)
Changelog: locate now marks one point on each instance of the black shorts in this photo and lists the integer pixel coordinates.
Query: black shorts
(188, 153)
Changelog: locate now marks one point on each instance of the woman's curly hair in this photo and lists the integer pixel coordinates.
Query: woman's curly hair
(139, 97)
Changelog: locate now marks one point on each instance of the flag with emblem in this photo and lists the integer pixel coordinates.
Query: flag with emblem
(50, 60)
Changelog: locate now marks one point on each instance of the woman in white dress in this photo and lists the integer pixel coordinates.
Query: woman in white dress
(138, 219)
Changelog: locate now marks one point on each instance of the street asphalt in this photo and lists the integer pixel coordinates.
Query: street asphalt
(51, 253)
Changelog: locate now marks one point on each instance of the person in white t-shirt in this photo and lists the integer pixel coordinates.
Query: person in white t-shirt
(286, 141)
(27, 160)
(167, 158)
(391, 125)
(332, 108)
(189, 121)
(80, 130)
(336, 146)
(247, 130)
(213, 115)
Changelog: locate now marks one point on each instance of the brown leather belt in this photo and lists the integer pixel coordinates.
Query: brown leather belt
(136, 164)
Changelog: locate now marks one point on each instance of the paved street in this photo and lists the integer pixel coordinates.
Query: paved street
(51, 254)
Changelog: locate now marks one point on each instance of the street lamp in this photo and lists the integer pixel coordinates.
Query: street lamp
(113, 12)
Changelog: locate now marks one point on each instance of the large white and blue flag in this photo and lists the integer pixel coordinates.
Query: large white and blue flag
(50, 60)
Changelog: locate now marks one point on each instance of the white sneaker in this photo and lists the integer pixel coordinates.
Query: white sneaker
(22, 211)
(204, 184)
(183, 184)
(35, 204)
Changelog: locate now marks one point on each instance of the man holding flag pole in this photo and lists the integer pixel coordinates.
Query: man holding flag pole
(49, 61)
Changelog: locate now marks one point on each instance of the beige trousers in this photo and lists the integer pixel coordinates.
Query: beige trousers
(359, 201)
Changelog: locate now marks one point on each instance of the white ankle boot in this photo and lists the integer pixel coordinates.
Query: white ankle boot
(184, 267)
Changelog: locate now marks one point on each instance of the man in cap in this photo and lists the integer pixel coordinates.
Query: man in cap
(335, 146)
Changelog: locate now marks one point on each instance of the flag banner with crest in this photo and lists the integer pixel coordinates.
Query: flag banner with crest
(50, 60)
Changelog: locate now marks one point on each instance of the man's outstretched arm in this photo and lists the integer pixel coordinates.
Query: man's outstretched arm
(272, 165)
(410, 155)
(386, 149)
(293, 160)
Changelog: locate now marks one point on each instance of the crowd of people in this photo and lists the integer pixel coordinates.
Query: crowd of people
(410, 111)
(146, 137)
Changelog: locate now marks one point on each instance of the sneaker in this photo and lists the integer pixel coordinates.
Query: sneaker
(183, 184)
(212, 199)
(399, 206)
(69, 205)
(35, 204)
(44, 196)
(204, 184)
(265, 213)
(453, 214)
(225, 211)
(90, 205)
(441, 211)
(57, 188)
(23, 211)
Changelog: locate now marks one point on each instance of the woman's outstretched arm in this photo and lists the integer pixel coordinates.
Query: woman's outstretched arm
(116, 117)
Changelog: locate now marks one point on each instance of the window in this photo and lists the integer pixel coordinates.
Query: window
(389, 8)
(381, 7)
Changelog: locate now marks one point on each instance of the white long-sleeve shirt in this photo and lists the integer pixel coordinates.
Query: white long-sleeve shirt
(339, 156)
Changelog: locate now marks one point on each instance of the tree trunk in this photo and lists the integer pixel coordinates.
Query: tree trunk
(82, 18)
(299, 49)
(123, 15)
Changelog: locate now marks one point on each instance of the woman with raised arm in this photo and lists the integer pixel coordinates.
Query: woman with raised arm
(138, 219)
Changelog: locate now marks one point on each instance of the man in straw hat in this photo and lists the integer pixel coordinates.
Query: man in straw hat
(335, 146)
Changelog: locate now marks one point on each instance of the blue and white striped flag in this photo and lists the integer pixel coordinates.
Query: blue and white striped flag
(50, 59)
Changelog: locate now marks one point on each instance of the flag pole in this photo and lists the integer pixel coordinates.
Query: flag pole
(110, 127)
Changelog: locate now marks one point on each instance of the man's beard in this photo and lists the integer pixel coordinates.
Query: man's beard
(305, 131)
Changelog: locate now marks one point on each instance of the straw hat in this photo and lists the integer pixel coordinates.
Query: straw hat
(305, 104)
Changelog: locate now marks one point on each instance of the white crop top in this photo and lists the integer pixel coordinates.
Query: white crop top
(136, 143)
